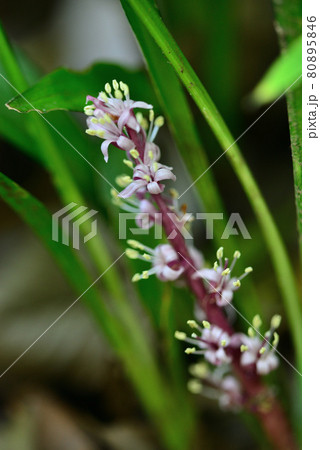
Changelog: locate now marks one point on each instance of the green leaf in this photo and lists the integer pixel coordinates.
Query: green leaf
(67, 89)
(283, 72)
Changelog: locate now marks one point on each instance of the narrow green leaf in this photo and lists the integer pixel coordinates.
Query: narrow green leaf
(282, 73)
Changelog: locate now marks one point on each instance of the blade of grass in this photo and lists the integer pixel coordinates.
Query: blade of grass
(150, 18)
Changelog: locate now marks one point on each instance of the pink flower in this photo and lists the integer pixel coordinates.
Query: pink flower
(118, 109)
(213, 342)
(102, 126)
(258, 350)
(164, 259)
(149, 177)
(221, 284)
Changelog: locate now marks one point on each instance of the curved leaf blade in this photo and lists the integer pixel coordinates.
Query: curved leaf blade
(66, 89)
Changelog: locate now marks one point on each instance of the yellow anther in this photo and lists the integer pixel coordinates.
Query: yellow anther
(275, 321)
(220, 253)
(237, 283)
(194, 335)
(151, 115)
(89, 110)
(132, 254)
(237, 254)
(107, 88)
(248, 269)
(215, 266)
(190, 350)
(194, 386)
(262, 350)
(145, 275)
(144, 123)
(155, 166)
(146, 257)
(223, 343)
(135, 244)
(150, 154)
(136, 277)
(192, 324)
(115, 85)
(103, 96)
(91, 132)
(118, 94)
(225, 271)
(199, 370)
(123, 180)
(128, 163)
(94, 120)
(100, 133)
(206, 324)
(159, 121)
(146, 177)
(251, 332)
(275, 339)
(124, 87)
(243, 348)
(256, 321)
(134, 153)
(180, 335)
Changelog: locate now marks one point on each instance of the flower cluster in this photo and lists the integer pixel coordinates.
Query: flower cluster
(112, 117)
(218, 384)
(221, 284)
(219, 349)
(259, 350)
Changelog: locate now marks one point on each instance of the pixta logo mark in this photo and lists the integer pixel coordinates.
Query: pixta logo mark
(70, 224)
